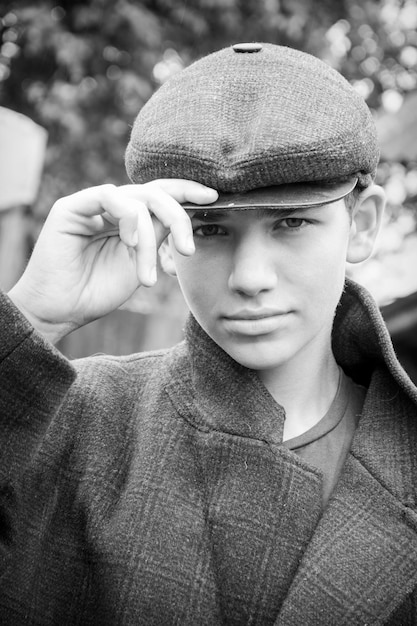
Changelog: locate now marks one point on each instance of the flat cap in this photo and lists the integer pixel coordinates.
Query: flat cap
(252, 116)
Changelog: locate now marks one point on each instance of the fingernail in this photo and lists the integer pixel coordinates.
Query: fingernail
(153, 275)
(134, 239)
(190, 243)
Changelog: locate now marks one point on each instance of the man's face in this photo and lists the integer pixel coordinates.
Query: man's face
(264, 284)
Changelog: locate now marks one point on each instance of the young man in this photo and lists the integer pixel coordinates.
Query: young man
(263, 471)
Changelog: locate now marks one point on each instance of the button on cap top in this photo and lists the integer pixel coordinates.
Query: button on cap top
(247, 47)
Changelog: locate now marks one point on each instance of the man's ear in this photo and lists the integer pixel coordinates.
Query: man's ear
(366, 222)
(166, 258)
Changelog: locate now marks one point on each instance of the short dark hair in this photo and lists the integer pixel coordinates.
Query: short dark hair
(352, 198)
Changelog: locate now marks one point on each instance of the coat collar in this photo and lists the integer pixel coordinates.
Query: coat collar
(216, 393)
(361, 341)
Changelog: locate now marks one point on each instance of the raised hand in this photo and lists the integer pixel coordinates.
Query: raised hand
(98, 246)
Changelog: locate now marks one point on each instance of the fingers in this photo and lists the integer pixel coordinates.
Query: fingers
(163, 198)
(187, 190)
(143, 215)
(170, 214)
(136, 230)
(146, 249)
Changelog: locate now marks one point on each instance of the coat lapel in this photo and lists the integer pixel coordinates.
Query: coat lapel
(362, 561)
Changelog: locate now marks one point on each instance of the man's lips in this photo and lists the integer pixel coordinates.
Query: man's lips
(253, 315)
(254, 322)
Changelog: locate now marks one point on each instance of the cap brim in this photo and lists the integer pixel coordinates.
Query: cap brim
(289, 196)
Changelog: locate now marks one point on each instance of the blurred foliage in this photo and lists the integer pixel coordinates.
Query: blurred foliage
(84, 69)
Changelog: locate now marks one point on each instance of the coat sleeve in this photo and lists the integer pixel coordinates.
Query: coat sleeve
(34, 379)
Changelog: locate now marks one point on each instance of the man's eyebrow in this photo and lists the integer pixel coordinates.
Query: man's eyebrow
(219, 215)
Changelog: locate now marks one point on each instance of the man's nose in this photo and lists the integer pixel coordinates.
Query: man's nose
(253, 269)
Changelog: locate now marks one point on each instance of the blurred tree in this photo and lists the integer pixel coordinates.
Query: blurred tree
(375, 47)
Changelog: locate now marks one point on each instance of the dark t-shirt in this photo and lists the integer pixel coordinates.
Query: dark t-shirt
(327, 444)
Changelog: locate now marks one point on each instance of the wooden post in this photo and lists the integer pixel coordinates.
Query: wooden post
(13, 245)
(22, 154)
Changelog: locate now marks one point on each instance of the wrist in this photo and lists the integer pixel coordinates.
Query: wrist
(52, 330)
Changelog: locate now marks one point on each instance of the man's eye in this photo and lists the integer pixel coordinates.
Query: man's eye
(291, 223)
(294, 222)
(209, 230)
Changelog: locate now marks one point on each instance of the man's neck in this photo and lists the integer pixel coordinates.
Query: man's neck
(305, 388)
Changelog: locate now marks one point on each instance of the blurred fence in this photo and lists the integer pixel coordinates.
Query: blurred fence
(123, 332)
(22, 153)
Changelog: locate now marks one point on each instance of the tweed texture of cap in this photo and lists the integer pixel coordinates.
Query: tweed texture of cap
(238, 121)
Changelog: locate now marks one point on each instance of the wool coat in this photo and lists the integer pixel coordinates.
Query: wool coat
(154, 489)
